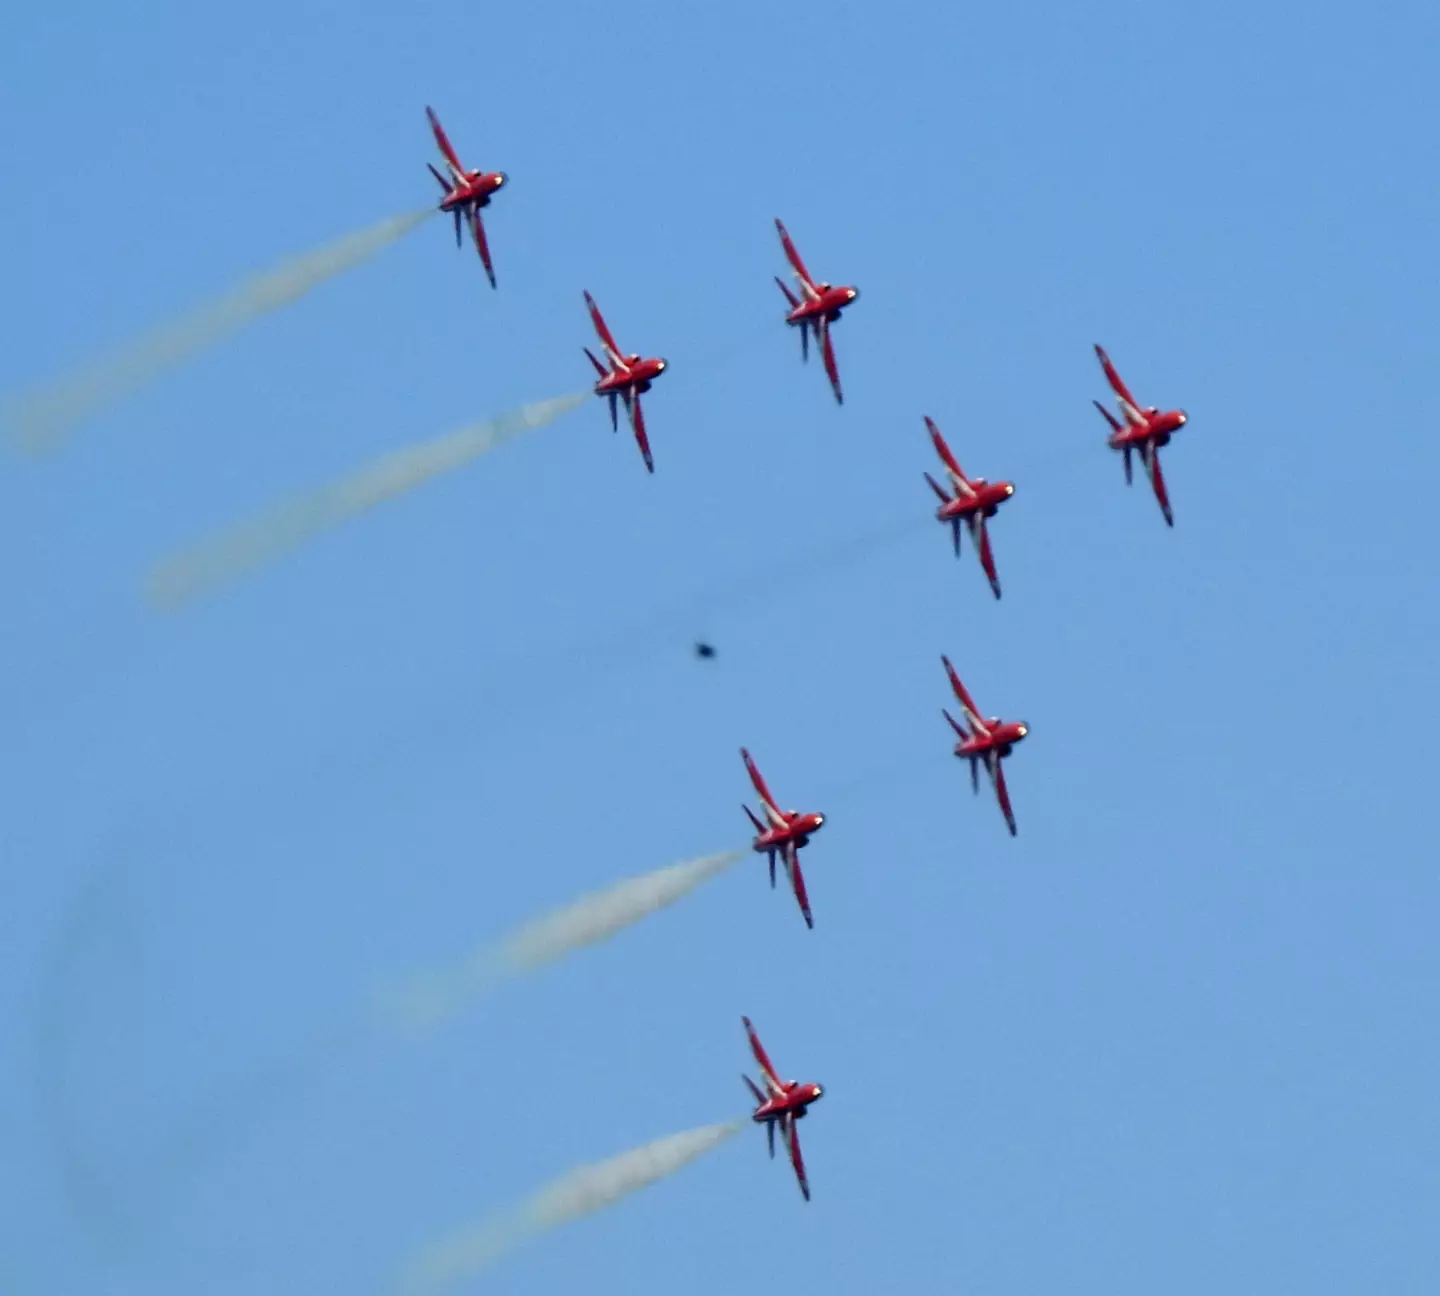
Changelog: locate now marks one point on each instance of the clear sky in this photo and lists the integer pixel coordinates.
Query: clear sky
(1177, 1036)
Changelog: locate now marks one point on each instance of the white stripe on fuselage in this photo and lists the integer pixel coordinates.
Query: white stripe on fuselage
(960, 484)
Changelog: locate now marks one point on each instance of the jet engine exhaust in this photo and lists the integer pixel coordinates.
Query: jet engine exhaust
(433, 997)
(193, 572)
(581, 1192)
(50, 416)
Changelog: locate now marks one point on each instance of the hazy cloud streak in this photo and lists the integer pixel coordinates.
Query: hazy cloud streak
(195, 571)
(581, 1192)
(433, 997)
(44, 419)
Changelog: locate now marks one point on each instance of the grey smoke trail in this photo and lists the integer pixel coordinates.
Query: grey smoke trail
(435, 996)
(189, 574)
(582, 1191)
(46, 418)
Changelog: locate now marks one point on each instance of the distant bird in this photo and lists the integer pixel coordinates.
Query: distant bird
(703, 649)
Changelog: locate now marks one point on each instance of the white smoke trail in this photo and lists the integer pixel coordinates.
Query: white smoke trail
(436, 996)
(48, 417)
(582, 1191)
(195, 571)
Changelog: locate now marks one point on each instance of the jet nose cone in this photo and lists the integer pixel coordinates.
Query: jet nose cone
(660, 365)
(853, 293)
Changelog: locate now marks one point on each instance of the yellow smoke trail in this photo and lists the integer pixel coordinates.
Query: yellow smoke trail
(44, 419)
(433, 997)
(196, 571)
(581, 1192)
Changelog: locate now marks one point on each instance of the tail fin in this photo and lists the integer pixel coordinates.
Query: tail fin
(1109, 417)
(759, 827)
(789, 296)
(935, 486)
(750, 1084)
(439, 179)
(599, 368)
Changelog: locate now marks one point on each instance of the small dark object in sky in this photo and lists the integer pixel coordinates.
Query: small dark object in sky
(704, 650)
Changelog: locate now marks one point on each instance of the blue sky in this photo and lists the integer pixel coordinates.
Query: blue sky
(1178, 1035)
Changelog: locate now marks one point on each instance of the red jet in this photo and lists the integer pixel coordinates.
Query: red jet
(783, 1103)
(1145, 430)
(989, 741)
(820, 308)
(626, 378)
(466, 192)
(975, 500)
(788, 831)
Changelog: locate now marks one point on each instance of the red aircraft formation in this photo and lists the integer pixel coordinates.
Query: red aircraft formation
(783, 834)
(974, 500)
(625, 379)
(1145, 430)
(782, 1103)
(986, 742)
(466, 192)
(817, 308)
(968, 504)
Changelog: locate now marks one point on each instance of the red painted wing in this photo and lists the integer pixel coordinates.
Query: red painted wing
(981, 536)
(797, 882)
(1150, 457)
(1132, 410)
(1002, 793)
(763, 792)
(772, 1080)
(444, 143)
(793, 255)
(637, 425)
(792, 1140)
(477, 229)
(828, 350)
(603, 332)
(972, 712)
(962, 483)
